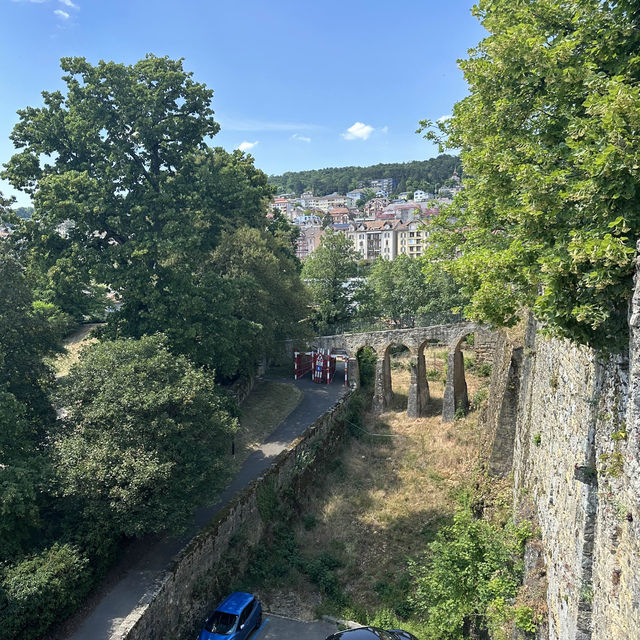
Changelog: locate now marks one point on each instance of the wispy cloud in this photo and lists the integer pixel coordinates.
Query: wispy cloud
(246, 146)
(68, 3)
(231, 124)
(300, 138)
(361, 131)
(442, 119)
(62, 14)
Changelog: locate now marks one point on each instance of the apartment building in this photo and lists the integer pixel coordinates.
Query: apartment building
(374, 238)
(412, 238)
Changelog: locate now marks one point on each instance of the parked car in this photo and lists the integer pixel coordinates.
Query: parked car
(234, 619)
(372, 633)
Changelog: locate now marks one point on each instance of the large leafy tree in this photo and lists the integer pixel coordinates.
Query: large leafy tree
(328, 273)
(120, 160)
(146, 438)
(548, 138)
(398, 289)
(27, 337)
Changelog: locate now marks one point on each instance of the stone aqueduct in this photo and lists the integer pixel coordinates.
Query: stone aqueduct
(455, 392)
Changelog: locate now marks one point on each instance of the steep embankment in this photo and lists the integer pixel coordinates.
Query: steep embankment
(393, 486)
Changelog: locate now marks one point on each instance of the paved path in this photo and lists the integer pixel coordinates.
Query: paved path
(278, 628)
(117, 603)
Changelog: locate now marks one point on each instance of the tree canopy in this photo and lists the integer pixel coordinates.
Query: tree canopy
(419, 174)
(146, 438)
(128, 195)
(327, 273)
(548, 136)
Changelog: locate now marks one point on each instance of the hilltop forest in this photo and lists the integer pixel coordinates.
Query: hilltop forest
(419, 174)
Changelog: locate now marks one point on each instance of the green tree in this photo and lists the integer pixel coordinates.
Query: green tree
(27, 337)
(145, 440)
(143, 200)
(269, 299)
(327, 273)
(464, 584)
(398, 289)
(547, 135)
(443, 296)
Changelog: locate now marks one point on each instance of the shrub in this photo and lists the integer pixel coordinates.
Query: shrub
(42, 590)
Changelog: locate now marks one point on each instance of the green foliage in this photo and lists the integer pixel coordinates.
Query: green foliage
(433, 374)
(419, 174)
(146, 438)
(267, 499)
(151, 212)
(397, 290)
(479, 397)
(327, 273)
(367, 366)
(549, 216)
(27, 336)
(41, 590)
(471, 570)
(537, 439)
(442, 297)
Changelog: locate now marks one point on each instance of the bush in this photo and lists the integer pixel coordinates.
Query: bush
(479, 397)
(42, 590)
(433, 374)
(367, 365)
(146, 439)
(471, 570)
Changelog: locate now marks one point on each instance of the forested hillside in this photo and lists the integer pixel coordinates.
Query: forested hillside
(419, 174)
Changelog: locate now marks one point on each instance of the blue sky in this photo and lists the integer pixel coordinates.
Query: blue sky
(303, 84)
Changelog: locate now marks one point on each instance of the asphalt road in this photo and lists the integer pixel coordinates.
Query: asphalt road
(277, 628)
(113, 606)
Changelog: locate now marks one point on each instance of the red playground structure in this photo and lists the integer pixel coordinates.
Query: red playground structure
(321, 364)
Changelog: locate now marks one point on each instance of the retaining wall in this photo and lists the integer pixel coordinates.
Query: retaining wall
(200, 574)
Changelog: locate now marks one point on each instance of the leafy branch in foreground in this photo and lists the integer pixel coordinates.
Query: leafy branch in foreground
(548, 139)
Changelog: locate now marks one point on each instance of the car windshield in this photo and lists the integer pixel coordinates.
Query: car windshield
(221, 622)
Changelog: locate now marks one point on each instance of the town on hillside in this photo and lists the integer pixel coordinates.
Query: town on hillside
(378, 221)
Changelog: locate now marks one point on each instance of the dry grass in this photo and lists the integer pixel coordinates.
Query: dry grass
(268, 404)
(73, 345)
(389, 495)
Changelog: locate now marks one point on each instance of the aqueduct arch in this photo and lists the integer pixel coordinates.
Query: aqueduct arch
(455, 394)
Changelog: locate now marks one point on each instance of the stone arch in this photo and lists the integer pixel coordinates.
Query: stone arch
(383, 391)
(353, 371)
(455, 391)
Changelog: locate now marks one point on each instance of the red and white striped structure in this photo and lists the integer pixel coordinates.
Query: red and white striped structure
(321, 364)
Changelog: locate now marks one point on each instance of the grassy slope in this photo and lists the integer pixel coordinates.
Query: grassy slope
(384, 501)
(268, 404)
(72, 347)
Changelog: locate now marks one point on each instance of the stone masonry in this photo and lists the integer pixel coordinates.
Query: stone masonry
(455, 394)
(565, 420)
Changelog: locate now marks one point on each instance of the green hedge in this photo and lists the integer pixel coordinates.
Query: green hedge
(41, 590)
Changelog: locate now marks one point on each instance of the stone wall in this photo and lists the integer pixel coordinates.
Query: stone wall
(566, 423)
(201, 573)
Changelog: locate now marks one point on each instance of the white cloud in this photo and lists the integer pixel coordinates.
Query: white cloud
(62, 14)
(68, 3)
(358, 131)
(442, 119)
(246, 146)
(300, 138)
(384, 129)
